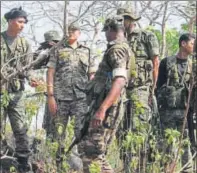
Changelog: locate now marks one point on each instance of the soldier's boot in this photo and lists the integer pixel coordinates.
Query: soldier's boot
(23, 165)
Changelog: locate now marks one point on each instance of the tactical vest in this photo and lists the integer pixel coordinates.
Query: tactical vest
(174, 93)
(19, 48)
(138, 42)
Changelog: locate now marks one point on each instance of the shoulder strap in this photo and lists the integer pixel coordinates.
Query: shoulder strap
(169, 63)
(3, 41)
(188, 67)
(22, 42)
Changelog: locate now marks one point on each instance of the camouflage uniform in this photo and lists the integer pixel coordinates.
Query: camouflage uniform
(72, 69)
(172, 99)
(144, 45)
(10, 48)
(114, 64)
(49, 36)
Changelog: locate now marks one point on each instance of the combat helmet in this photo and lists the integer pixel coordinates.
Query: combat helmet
(51, 36)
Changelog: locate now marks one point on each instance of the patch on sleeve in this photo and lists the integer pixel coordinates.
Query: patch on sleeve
(121, 72)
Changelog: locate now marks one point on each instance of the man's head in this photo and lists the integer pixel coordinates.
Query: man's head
(129, 18)
(186, 43)
(114, 28)
(16, 19)
(51, 37)
(73, 32)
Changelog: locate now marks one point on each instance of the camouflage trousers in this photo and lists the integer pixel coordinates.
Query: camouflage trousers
(17, 117)
(136, 123)
(173, 119)
(67, 109)
(96, 142)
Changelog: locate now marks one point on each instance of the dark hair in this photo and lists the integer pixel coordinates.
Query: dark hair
(127, 17)
(117, 28)
(186, 37)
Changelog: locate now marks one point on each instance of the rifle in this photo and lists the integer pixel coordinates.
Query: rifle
(96, 100)
(118, 111)
(192, 83)
(86, 123)
(40, 58)
(88, 116)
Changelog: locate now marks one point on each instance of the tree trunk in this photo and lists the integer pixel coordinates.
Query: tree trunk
(163, 45)
(191, 24)
(65, 28)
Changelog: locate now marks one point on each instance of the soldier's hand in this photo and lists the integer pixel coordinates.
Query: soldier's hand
(34, 83)
(98, 119)
(52, 105)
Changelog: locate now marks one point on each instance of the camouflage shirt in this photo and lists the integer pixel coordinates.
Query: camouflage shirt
(18, 48)
(114, 64)
(144, 44)
(72, 68)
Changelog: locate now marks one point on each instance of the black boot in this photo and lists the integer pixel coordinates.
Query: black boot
(23, 165)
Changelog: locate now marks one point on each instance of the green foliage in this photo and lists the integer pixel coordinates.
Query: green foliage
(185, 27)
(31, 108)
(172, 136)
(5, 98)
(101, 20)
(13, 169)
(172, 37)
(3, 24)
(94, 167)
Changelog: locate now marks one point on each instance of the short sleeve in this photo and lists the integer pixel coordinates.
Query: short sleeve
(52, 59)
(153, 45)
(118, 58)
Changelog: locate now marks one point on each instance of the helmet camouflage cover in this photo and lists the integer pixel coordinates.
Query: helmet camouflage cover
(51, 35)
(128, 12)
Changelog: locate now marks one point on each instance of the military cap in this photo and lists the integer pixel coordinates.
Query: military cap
(128, 12)
(51, 36)
(74, 26)
(113, 23)
(16, 12)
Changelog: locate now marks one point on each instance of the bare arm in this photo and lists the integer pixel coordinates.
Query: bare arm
(114, 93)
(155, 71)
(50, 81)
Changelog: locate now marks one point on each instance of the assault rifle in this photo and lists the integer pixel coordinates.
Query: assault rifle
(43, 55)
(96, 100)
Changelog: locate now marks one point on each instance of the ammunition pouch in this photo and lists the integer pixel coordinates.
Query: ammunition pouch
(171, 97)
(144, 72)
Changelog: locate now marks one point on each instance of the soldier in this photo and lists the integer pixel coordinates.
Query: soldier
(145, 47)
(69, 69)
(51, 38)
(173, 83)
(106, 95)
(17, 51)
